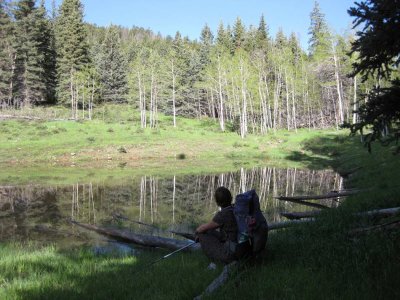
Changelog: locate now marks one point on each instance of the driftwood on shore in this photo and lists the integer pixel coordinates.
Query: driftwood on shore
(33, 118)
(162, 242)
(285, 224)
(139, 239)
(121, 217)
(173, 244)
(330, 195)
(300, 215)
(306, 203)
(380, 227)
(219, 281)
(387, 212)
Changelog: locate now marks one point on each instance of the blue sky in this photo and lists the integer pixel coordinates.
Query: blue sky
(189, 16)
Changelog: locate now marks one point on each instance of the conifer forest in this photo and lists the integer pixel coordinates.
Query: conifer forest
(237, 74)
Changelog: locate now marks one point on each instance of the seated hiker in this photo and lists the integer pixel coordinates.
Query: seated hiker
(218, 238)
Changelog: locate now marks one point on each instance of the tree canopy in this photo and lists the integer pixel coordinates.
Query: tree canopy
(378, 49)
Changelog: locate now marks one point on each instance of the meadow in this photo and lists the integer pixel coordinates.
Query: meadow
(312, 261)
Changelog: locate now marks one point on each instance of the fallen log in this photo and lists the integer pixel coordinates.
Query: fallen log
(139, 239)
(33, 118)
(189, 236)
(387, 212)
(125, 235)
(380, 227)
(173, 244)
(285, 224)
(306, 203)
(19, 117)
(121, 217)
(330, 195)
(300, 215)
(217, 282)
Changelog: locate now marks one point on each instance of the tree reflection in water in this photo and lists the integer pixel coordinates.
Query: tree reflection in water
(177, 202)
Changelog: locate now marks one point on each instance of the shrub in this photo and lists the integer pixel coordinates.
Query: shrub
(181, 156)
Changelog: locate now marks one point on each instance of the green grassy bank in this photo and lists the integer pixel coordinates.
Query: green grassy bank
(314, 261)
(113, 146)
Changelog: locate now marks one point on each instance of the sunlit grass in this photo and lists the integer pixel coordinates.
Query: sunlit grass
(42, 151)
(32, 272)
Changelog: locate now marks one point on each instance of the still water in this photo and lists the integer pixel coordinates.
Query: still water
(41, 213)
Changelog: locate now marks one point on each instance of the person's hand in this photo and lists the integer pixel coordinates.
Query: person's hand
(199, 229)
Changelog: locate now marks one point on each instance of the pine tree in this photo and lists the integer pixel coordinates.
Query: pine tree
(47, 47)
(6, 55)
(239, 33)
(262, 33)
(223, 38)
(71, 47)
(280, 39)
(319, 43)
(112, 68)
(295, 48)
(378, 49)
(29, 76)
(206, 36)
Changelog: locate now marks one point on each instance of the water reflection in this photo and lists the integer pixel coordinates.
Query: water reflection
(179, 202)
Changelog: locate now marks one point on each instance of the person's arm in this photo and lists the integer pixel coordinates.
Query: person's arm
(208, 226)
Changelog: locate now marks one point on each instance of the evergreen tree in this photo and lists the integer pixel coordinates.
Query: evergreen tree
(239, 33)
(295, 48)
(223, 38)
(29, 77)
(71, 47)
(206, 36)
(280, 39)
(6, 55)
(112, 67)
(319, 43)
(206, 40)
(47, 47)
(378, 49)
(262, 33)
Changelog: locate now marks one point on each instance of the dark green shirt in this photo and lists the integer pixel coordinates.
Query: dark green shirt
(227, 223)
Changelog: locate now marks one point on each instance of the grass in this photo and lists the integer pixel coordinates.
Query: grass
(27, 272)
(114, 145)
(321, 258)
(314, 261)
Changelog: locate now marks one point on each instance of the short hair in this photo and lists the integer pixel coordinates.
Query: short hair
(223, 197)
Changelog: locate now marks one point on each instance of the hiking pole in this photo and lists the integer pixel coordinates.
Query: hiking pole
(172, 253)
(166, 256)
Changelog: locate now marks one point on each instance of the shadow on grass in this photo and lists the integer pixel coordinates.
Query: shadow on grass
(327, 151)
(83, 275)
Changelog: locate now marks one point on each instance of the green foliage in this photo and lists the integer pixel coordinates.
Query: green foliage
(238, 34)
(30, 271)
(6, 53)
(319, 43)
(240, 77)
(378, 57)
(32, 83)
(112, 68)
(71, 46)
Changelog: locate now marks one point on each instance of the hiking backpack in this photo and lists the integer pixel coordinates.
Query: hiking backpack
(251, 223)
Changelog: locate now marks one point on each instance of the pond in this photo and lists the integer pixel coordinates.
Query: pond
(152, 205)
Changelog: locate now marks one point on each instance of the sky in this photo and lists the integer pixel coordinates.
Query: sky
(189, 16)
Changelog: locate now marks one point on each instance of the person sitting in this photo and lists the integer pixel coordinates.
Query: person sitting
(218, 238)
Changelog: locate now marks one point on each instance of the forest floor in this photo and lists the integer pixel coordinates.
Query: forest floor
(312, 261)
